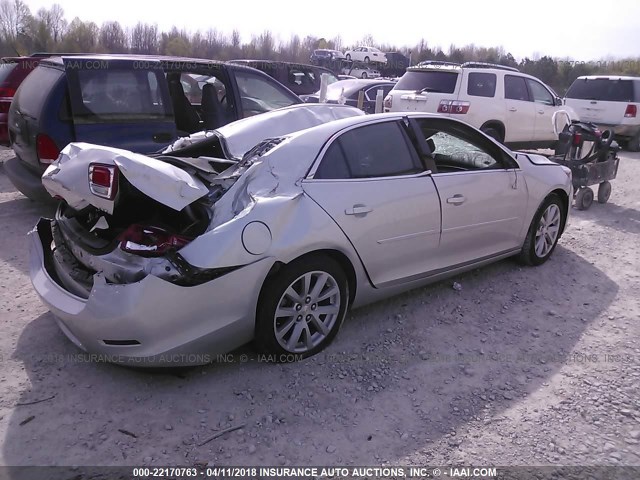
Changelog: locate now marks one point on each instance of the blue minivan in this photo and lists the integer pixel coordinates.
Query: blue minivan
(138, 103)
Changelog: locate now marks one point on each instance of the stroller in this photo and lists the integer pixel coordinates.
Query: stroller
(591, 154)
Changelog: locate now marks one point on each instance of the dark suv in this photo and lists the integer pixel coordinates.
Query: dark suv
(133, 102)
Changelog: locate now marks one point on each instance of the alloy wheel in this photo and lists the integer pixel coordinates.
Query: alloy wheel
(307, 312)
(548, 230)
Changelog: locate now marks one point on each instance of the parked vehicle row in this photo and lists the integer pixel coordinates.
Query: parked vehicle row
(347, 92)
(271, 227)
(134, 102)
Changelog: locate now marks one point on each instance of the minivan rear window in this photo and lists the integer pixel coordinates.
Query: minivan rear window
(606, 89)
(442, 82)
(34, 90)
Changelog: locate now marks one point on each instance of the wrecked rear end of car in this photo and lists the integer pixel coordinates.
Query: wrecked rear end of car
(111, 264)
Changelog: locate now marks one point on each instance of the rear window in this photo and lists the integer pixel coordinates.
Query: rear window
(602, 89)
(35, 88)
(120, 94)
(443, 82)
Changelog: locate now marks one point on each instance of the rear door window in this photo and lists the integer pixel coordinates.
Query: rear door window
(378, 150)
(35, 88)
(443, 82)
(611, 90)
(515, 88)
(481, 84)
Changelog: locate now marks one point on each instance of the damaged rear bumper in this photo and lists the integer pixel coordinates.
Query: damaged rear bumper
(151, 322)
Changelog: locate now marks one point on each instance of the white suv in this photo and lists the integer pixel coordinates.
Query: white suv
(611, 102)
(513, 108)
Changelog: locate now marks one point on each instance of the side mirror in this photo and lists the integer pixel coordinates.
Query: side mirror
(558, 102)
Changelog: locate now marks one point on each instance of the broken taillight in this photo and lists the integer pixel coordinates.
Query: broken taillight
(103, 180)
(149, 241)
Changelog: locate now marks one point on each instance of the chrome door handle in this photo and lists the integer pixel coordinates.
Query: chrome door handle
(456, 199)
(513, 109)
(358, 209)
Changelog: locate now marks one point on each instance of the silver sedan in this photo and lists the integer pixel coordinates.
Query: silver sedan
(270, 228)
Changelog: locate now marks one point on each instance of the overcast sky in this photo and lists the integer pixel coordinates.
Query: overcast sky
(582, 30)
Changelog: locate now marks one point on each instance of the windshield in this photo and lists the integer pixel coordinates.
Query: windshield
(443, 82)
(611, 90)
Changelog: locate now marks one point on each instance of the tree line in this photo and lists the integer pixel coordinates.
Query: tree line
(23, 32)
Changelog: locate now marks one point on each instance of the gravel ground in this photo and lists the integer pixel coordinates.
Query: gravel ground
(521, 366)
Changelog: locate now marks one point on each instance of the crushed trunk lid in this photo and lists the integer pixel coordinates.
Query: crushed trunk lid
(67, 177)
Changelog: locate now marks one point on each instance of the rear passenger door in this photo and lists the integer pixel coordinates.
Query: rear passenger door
(372, 183)
(520, 110)
(120, 103)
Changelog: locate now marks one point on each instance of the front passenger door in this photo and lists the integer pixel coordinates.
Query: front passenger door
(483, 196)
(545, 106)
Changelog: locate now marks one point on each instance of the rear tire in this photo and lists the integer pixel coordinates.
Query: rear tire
(348, 57)
(604, 192)
(543, 233)
(288, 325)
(366, 60)
(584, 198)
(493, 133)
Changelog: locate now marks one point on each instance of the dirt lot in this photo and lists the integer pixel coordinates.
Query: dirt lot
(523, 366)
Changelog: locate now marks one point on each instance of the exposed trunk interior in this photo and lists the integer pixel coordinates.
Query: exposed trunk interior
(97, 232)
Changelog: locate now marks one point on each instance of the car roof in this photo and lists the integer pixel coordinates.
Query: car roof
(129, 56)
(608, 77)
(249, 61)
(354, 84)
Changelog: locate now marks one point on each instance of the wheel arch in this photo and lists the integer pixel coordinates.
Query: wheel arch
(342, 259)
(566, 203)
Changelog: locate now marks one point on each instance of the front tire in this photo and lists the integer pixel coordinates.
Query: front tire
(364, 75)
(348, 57)
(301, 308)
(543, 233)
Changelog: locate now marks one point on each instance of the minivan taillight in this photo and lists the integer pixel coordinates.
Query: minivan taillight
(631, 111)
(103, 180)
(46, 149)
(150, 241)
(7, 92)
(453, 106)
